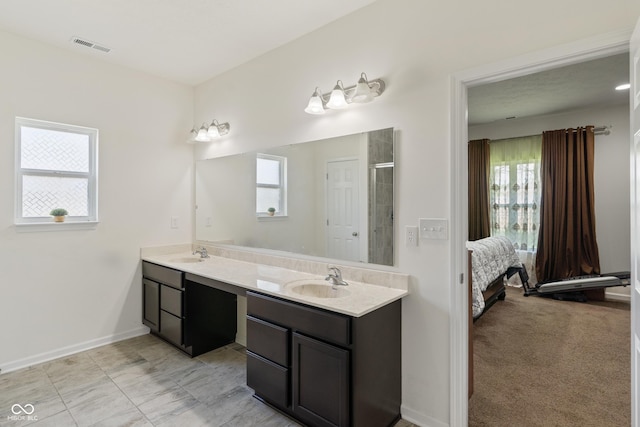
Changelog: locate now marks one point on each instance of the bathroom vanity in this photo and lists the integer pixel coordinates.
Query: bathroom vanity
(324, 368)
(194, 317)
(327, 357)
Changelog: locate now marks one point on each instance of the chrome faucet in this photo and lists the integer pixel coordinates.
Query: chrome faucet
(202, 251)
(335, 277)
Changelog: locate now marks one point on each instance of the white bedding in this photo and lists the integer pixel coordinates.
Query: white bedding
(490, 258)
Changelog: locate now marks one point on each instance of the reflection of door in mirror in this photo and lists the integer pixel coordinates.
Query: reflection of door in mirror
(343, 210)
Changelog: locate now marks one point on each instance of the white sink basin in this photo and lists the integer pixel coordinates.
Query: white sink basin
(317, 289)
(186, 260)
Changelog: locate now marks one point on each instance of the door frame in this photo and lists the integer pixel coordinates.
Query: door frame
(572, 53)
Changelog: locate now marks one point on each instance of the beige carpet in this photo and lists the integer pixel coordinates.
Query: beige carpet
(541, 362)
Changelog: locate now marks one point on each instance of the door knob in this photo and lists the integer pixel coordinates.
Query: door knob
(354, 234)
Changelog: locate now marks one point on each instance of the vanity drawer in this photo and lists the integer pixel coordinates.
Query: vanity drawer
(171, 300)
(268, 340)
(269, 380)
(171, 327)
(161, 274)
(319, 323)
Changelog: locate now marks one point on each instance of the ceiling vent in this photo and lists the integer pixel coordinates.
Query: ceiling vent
(89, 44)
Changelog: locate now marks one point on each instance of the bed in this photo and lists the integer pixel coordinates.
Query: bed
(490, 261)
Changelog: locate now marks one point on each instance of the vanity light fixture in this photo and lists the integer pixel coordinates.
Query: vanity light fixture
(340, 97)
(210, 132)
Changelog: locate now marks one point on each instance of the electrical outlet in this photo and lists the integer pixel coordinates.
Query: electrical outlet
(174, 222)
(411, 235)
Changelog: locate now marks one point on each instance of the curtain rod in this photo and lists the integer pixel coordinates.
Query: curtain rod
(597, 130)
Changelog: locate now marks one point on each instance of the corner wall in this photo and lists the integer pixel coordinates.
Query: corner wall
(63, 291)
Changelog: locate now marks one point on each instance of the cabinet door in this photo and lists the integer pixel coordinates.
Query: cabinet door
(320, 382)
(151, 304)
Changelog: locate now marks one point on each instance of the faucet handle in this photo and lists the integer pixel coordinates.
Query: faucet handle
(202, 251)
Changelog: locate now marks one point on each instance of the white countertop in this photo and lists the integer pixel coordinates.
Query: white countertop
(361, 298)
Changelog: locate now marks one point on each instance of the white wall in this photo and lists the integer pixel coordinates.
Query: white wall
(414, 46)
(64, 290)
(611, 174)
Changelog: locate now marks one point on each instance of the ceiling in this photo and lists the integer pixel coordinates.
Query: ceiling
(187, 41)
(191, 41)
(585, 85)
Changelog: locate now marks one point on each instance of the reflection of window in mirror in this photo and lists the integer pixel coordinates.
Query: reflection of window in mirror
(271, 185)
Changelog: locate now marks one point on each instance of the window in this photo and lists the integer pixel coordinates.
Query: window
(56, 167)
(271, 179)
(515, 190)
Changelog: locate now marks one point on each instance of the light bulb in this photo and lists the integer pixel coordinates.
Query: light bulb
(337, 99)
(363, 91)
(315, 105)
(213, 131)
(202, 134)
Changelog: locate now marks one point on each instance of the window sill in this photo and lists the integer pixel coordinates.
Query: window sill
(27, 227)
(271, 218)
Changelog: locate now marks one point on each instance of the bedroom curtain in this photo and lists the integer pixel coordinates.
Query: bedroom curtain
(515, 190)
(567, 244)
(478, 159)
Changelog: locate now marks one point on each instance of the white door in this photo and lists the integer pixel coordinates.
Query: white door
(342, 210)
(634, 56)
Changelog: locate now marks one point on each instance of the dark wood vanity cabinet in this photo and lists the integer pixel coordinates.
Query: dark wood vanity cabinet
(194, 317)
(325, 368)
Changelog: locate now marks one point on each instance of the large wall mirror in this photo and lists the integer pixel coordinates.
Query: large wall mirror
(331, 198)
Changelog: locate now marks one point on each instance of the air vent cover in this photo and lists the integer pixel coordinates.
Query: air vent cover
(90, 44)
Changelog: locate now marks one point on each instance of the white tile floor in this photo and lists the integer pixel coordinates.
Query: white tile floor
(142, 381)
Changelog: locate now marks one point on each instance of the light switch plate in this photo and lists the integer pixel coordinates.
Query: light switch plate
(174, 222)
(434, 228)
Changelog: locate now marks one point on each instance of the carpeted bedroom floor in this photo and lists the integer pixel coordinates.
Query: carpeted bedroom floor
(542, 362)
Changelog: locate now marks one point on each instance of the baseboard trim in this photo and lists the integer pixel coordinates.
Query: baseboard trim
(613, 296)
(241, 339)
(419, 419)
(72, 349)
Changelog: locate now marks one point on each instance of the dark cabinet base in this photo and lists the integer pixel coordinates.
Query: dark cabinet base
(322, 368)
(210, 318)
(194, 317)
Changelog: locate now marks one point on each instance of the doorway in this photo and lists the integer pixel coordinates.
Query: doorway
(559, 57)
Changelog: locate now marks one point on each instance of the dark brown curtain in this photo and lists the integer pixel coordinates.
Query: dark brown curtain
(567, 237)
(478, 189)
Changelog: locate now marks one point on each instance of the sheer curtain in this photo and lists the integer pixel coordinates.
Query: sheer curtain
(515, 194)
